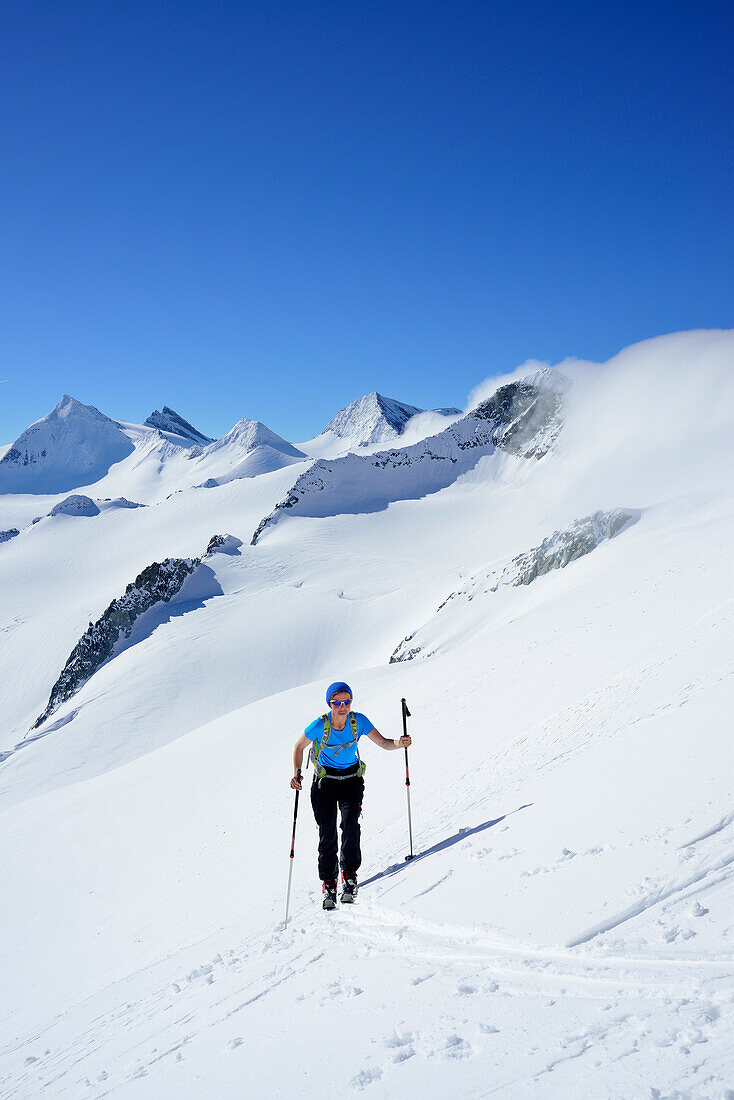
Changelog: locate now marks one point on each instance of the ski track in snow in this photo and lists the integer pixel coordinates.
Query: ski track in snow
(631, 1007)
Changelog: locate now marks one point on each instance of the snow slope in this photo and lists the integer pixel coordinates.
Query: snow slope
(566, 929)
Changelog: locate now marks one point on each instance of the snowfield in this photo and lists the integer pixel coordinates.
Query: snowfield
(567, 926)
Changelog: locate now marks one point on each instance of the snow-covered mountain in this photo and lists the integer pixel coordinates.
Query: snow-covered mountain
(72, 445)
(248, 449)
(248, 434)
(163, 463)
(522, 418)
(565, 929)
(374, 419)
(166, 420)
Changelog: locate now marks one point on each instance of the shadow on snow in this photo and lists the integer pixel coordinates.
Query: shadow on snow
(440, 846)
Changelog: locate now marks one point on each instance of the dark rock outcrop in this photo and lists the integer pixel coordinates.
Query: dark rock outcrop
(562, 547)
(524, 417)
(405, 652)
(167, 420)
(158, 583)
(223, 544)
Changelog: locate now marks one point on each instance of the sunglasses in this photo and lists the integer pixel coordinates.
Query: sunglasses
(341, 702)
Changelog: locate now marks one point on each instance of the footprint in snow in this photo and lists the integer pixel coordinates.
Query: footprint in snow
(456, 1048)
(698, 910)
(365, 1077)
(422, 978)
(398, 1040)
(675, 933)
(234, 1043)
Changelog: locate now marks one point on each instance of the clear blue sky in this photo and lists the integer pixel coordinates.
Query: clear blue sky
(267, 209)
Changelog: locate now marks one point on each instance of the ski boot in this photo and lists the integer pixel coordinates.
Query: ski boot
(349, 888)
(329, 891)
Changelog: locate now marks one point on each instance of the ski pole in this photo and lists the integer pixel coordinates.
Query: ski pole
(406, 715)
(293, 849)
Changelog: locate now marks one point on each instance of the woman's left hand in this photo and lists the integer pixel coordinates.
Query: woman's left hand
(405, 741)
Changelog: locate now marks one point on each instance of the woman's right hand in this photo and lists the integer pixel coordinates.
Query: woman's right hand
(295, 783)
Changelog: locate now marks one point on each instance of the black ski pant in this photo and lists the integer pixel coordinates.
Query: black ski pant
(347, 795)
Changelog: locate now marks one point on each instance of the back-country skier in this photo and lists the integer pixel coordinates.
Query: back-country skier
(338, 781)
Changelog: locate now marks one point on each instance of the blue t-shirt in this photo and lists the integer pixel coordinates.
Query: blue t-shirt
(329, 756)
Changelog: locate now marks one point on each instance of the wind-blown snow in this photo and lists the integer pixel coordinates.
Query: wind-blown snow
(566, 929)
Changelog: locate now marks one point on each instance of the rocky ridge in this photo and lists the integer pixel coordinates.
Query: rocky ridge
(168, 420)
(522, 418)
(158, 583)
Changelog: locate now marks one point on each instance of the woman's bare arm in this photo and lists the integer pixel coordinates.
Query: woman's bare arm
(298, 748)
(388, 743)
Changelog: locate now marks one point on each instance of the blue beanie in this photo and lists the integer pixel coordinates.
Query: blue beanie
(334, 688)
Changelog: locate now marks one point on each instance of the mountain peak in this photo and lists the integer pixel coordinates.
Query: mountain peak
(372, 418)
(69, 406)
(375, 418)
(71, 446)
(248, 434)
(168, 420)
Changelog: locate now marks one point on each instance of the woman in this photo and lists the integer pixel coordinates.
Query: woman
(338, 782)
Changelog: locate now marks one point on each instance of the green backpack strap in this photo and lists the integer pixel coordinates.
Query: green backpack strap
(319, 769)
(360, 761)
